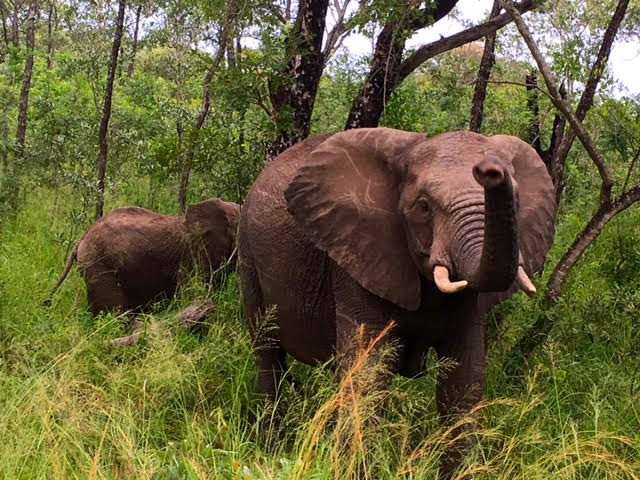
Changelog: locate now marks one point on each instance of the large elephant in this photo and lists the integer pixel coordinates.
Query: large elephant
(133, 256)
(372, 226)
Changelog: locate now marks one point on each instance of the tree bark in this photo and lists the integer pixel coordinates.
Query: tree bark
(384, 72)
(106, 110)
(560, 104)
(533, 107)
(293, 92)
(484, 72)
(134, 43)
(23, 107)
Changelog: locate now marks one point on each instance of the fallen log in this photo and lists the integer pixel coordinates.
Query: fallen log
(192, 318)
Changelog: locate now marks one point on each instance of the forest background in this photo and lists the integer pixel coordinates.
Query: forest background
(160, 104)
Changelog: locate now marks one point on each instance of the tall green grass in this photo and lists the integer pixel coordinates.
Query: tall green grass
(178, 405)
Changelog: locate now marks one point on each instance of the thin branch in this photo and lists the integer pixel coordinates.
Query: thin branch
(430, 50)
(484, 72)
(556, 98)
(338, 30)
(520, 84)
(263, 105)
(586, 101)
(634, 160)
(605, 213)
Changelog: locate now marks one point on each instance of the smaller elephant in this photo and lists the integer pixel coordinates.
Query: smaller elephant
(133, 256)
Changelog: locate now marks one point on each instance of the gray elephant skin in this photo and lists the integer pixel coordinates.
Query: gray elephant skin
(372, 226)
(133, 256)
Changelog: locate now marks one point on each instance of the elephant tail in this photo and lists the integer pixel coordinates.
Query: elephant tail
(67, 267)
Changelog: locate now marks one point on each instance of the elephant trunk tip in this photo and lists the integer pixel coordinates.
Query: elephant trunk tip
(489, 172)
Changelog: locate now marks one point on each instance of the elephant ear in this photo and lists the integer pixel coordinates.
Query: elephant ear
(212, 222)
(537, 205)
(345, 200)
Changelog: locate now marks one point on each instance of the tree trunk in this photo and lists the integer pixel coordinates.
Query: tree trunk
(51, 24)
(533, 107)
(23, 107)
(535, 135)
(134, 43)
(106, 111)
(15, 24)
(225, 40)
(484, 72)
(384, 72)
(4, 135)
(5, 34)
(293, 92)
(188, 159)
(382, 79)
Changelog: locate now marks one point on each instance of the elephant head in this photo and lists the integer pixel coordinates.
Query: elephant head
(460, 209)
(212, 227)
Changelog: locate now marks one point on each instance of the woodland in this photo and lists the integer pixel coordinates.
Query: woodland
(163, 104)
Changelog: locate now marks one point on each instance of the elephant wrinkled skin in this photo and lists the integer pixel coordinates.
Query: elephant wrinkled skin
(133, 256)
(370, 226)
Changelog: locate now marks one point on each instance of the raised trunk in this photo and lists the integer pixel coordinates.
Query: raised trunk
(489, 260)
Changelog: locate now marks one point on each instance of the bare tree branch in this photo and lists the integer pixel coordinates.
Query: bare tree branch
(384, 69)
(586, 101)
(472, 34)
(556, 98)
(336, 35)
(223, 40)
(634, 160)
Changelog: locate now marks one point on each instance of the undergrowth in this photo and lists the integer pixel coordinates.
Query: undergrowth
(180, 405)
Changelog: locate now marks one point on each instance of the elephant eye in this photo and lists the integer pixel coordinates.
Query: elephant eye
(422, 206)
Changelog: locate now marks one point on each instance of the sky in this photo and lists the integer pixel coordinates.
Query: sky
(624, 59)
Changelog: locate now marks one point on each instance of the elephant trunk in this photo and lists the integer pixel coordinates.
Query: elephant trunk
(489, 252)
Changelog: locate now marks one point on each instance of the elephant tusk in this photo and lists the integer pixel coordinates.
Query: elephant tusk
(524, 282)
(441, 277)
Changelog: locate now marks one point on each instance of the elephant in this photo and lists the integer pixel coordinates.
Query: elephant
(352, 231)
(133, 256)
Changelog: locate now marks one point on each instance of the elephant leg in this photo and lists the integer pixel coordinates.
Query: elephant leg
(104, 291)
(269, 354)
(460, 384)
(361, 317)
(366, 366)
